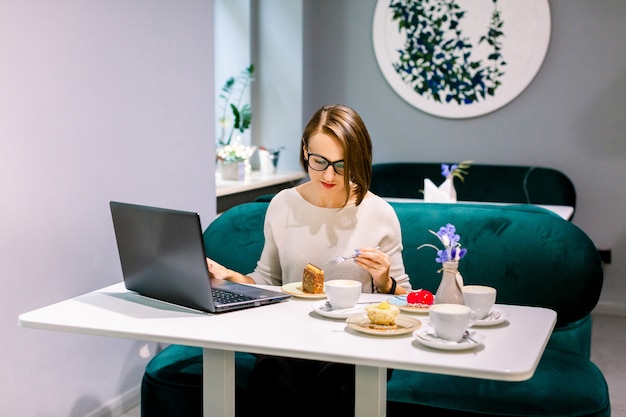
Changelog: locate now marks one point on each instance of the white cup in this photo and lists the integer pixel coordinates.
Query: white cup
(480, 299)
(342, 293)
(451, 320)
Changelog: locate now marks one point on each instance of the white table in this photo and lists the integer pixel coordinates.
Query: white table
(565, 212)
(511, 351)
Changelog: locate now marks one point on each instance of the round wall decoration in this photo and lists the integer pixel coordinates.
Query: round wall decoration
(460, 58)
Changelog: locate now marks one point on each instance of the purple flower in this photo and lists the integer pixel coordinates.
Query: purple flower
(447, 235)
(455, 170)
(450, 240)
(447, 170)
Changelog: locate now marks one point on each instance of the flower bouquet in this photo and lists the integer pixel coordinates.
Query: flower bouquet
(450, 289)
(235, 151)
(234, 158)
(450, 240)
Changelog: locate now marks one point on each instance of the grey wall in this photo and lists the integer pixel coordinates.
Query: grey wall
(571, 117)
(278, 54)
(114, 100)
(99, 100)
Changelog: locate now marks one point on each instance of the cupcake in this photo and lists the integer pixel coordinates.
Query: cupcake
(383, 314)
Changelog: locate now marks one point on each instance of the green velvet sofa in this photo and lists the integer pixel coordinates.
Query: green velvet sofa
(483, 182)
(532, 256)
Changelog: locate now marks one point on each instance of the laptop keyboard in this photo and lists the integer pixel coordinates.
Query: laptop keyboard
(226, 297)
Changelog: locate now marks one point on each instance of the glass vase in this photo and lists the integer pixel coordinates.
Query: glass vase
(450, 288)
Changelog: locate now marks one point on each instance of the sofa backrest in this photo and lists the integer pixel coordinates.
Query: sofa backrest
(532, 256)
(235, 238)
(489, 183)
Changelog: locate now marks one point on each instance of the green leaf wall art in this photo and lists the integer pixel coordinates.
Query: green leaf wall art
(460, 58)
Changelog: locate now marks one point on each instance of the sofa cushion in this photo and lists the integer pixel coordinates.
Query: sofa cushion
(539, 259)
(236, 240)
(564, 384)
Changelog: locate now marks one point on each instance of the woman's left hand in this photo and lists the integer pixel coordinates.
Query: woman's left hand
(376, 262)
(217, 270)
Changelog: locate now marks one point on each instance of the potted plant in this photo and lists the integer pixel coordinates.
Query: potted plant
(235, 159)
(233, 156)
(231, 98)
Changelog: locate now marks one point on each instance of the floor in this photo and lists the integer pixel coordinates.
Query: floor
(135, 412)
(608, 352)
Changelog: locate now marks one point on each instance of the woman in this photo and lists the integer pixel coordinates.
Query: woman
(332, 214)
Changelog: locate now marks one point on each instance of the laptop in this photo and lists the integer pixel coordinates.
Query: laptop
(162, 257)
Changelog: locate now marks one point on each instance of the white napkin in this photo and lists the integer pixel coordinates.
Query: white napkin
(445, 193)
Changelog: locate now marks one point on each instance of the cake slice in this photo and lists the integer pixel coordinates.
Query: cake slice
(312, 280)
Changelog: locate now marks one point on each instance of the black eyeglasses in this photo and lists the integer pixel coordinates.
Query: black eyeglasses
(319, 163)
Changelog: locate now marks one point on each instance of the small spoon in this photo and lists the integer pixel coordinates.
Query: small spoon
(467, 336)
(330, 307)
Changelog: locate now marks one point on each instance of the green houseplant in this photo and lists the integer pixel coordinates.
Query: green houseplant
(231, 98)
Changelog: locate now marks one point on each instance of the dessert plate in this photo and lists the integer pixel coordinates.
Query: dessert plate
(400, 302)
(404, 325)
(295, 289)
(494, 317)
(323, 308)
(427, 336)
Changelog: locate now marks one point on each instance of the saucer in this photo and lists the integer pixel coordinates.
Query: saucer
(404, 325)
(427, 336)
(323, 308)
(400, 302)
(494, 317)
(295, 289)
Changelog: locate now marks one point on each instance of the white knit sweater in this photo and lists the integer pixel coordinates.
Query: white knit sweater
(298, 232)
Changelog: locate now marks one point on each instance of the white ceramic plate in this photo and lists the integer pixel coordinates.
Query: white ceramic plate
(400, 302)
(427, 336)
(404, 325)
(494, 317)
(323, 308)
(295, 289)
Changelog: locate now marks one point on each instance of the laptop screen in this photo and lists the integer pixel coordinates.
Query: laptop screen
(162, 256)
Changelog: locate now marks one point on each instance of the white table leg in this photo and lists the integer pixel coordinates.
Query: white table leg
(218, 383)
(370, 391)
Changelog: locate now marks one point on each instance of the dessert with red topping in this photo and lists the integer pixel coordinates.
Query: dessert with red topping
(420, 298)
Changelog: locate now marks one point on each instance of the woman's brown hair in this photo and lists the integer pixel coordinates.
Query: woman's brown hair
(346, 125)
